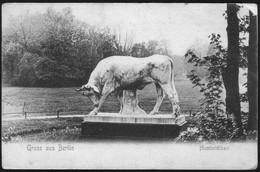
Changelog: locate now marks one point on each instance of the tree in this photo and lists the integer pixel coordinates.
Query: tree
(152, 47)
(123, 46)
(231, 71)
(27, 76)
(223, 64)
(252, 73)
(211, 86)
(200, 49)
(140, 50)
(12, 53)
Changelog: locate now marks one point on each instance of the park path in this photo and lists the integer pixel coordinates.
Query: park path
(4, 118)
(10, 118)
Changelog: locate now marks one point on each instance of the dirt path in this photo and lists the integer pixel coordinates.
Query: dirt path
(8, 118)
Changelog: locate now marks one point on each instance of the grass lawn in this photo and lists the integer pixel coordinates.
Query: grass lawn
(42, 130)
(66, 99)
(45, 130)
(51, 99)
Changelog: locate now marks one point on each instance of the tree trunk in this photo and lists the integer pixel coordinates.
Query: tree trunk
(230, 73)
(252, 74)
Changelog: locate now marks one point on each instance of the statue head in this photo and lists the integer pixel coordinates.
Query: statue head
(91, 91)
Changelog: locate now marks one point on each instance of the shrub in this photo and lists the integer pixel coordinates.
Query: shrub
(211, 128)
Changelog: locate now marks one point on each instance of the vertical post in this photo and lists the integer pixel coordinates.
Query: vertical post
(58, 113)
(24, 112)
(190, 112)
(23, 107)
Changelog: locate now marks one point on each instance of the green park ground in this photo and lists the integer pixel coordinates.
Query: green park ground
(69, 102)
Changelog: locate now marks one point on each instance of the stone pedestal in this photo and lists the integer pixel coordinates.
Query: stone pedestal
(132, 121)
(144, 126)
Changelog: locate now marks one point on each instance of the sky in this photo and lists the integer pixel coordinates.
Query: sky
(178, 24)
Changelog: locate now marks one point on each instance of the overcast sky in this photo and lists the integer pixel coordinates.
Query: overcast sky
(177, 23)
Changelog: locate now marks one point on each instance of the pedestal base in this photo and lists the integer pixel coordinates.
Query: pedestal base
(116, 125)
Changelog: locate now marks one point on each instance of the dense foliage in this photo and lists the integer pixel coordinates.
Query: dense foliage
(56, 49)
(49, 49)
(220, 128)
(211, 86)
(216, 124)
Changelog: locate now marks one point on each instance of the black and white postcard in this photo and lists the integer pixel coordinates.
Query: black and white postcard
(129, 86)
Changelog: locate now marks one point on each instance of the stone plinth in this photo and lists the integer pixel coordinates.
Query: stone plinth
(114, 124)
(140, 119)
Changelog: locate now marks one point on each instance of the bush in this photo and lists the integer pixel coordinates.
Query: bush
(213, 128)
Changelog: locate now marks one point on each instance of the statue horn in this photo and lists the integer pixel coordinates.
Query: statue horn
(78, 89)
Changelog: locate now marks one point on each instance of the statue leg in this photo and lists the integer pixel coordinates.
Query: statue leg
(172, 95)
(105, 92)
(160, 97)
(119, 95)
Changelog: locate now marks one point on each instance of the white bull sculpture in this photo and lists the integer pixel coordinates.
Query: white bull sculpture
(119, 73)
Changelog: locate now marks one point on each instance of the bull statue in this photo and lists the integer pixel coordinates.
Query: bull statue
(119, 73)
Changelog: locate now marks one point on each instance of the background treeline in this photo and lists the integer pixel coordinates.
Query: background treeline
(54, 49)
